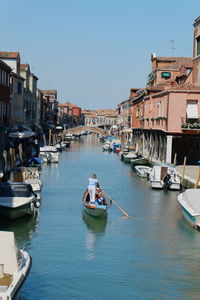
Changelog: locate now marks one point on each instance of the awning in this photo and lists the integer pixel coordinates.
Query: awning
(192, 110)
(127, 131)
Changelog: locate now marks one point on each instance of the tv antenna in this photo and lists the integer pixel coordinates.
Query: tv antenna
(172, 47)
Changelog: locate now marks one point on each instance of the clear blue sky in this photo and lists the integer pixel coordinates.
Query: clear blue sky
(94, 51)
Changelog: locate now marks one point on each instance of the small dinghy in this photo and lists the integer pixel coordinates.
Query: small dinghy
(143, 171)
(96, 209)
(14, 266)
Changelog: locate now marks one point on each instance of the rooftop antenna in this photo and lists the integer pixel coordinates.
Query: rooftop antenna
(172, 47)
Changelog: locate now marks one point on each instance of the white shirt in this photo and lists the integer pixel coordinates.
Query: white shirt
(92, 181)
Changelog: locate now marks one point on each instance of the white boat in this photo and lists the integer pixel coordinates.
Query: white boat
(15, 265)
(164, 177)
(190, 206)
(69, 137)
(143, 171)
(131, 155)
(60, 146)
(29, 175)
(49, 154)
(16, 200)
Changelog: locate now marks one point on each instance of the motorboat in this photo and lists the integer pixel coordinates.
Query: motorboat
(60, 146)
(107, 146)
(49, 154)
(15, 265)
(164, 177)
(190, 206)
(17, 200)
(29, 175)
(68, 137)
(143, 171)
(123, 152)
(96, 209)
(131, 155)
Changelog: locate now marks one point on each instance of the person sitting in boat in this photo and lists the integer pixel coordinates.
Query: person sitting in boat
(92, 186)
(99, 197)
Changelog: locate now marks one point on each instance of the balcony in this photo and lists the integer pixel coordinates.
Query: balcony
(190, 124)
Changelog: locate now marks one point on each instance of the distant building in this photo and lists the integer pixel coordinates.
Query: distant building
(5, 97)
(51, 101)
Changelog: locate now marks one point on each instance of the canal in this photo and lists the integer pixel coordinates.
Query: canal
(153, 254)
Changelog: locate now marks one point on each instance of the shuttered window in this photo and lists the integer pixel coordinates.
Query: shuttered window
(192, 109)
(198, 45)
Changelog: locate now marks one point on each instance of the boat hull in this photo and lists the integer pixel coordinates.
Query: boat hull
(11, 213)
(192, 218)
(95, 211)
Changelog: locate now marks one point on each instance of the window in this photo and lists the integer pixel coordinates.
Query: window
(19, 88)
(166, 75)
(198, 45)
(192, 109)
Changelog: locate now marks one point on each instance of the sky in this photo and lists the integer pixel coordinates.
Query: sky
(93, 51)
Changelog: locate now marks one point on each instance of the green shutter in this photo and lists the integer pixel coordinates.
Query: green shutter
(198, 45)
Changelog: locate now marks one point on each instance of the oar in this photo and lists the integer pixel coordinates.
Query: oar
(115, 203)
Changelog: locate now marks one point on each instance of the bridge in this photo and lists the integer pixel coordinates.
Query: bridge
(86, 128)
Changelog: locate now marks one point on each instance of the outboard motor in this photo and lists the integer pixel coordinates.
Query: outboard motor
(167, 181)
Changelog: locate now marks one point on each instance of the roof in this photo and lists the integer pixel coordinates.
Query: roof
(186, 62)
(6, 54)
(103, 112)
(24, 67)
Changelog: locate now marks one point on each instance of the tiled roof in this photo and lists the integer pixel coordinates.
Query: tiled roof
(188, 63)
(187, 86)
(102, 112)
(6, 54)
(23, 67)
(49, 91)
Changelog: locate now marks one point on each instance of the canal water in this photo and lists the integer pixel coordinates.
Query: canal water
(153, 254)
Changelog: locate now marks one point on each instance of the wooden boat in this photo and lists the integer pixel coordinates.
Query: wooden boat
(14, 267)
(95, 210)
(190, 206)
(49, 154)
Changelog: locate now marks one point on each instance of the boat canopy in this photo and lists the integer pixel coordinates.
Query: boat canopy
(14, 190)
(21, 135)
(9, 252)
(48, 149)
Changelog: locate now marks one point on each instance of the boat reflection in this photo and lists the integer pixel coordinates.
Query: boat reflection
(96, 228)
(25, 229)
(96, 225)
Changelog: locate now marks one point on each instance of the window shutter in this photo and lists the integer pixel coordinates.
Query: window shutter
(192, 110)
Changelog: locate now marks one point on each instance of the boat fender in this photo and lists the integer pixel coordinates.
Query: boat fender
(36, 204)
(32, 207)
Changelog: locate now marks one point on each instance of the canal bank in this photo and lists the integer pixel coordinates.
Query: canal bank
(153, 254)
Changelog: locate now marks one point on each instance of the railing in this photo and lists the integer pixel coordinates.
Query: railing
(190, 124)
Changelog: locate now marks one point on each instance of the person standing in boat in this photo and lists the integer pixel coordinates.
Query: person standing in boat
(93, 184)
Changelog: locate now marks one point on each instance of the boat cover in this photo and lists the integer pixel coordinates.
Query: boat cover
(9, 252)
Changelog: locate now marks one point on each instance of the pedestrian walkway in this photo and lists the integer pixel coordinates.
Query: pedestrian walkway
(190, 176)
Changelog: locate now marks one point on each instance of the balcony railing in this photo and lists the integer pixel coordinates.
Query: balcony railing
(190, 124)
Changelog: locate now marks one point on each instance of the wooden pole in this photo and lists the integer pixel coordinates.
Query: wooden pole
(183, 171)
(115, 203)
(198, 178)
(49, 137)
(175, 156)
(44, 138)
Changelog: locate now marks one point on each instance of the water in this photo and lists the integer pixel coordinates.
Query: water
(153, 254)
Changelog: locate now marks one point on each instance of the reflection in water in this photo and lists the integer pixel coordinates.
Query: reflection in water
(24, 229)
(96, 228)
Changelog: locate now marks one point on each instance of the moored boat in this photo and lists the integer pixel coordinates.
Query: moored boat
(14, 267)
(143, 171)
(49, 154)
(16, 200)
(190, 206)
(95, 210)
(131, 155)
(164, 177)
